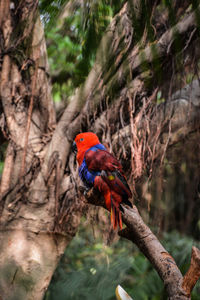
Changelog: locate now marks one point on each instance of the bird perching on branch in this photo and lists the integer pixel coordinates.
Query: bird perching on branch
(98, 168)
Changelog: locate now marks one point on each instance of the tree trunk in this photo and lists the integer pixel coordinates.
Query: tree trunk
(31, 243)
(40, 207)
(27, 262)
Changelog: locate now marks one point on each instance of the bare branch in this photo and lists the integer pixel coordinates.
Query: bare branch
(193, 273)
(7, 170)
(140, 234)
(177, 287)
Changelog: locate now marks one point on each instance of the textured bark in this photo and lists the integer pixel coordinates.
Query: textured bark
(168, 123)
(27, 260)
(108, 81)
(8, 169)
(163, 262)
(40, 208)
(177, 286)
(193, 273)
(31, 243)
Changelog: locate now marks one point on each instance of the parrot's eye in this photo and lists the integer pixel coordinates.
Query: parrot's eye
(81, 139)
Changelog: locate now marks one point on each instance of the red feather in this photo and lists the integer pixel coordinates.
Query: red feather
(111, 182)
(102, 160)
(112, 200)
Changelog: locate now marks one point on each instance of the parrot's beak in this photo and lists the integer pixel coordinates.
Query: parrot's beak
(74, 148)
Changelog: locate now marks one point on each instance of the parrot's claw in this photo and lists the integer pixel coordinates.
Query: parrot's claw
(84, 190)
(103, 173)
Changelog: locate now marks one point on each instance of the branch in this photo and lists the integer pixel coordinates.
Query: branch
(139, 233)
(162, 48)
(101, 81)
(7, 170)
(193, 274)
(94, 197)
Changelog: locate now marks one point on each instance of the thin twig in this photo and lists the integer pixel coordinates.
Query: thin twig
(189, 40)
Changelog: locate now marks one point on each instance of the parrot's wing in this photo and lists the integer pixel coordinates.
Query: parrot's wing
(102, 160)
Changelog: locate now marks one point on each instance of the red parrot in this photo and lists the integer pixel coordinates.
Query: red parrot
(98, 168)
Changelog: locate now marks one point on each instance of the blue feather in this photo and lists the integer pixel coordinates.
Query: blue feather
(86, 176)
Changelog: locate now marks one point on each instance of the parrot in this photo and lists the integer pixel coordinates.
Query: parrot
(98, 168)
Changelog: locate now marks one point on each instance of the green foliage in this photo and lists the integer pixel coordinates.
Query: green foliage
(72, 48)
(91, 270)
(159, 98)
(1, 166)
(50, 9)
(2, 156)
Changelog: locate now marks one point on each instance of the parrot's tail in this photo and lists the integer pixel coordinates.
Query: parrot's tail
(115, 213)
(112, 201)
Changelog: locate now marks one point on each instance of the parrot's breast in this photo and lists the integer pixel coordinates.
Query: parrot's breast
(87, 176)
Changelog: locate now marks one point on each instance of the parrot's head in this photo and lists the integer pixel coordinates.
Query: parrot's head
(84, 141)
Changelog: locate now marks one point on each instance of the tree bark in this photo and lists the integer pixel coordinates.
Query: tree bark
(40, 208)
(177, 286)
(31, 243)
(27, 262)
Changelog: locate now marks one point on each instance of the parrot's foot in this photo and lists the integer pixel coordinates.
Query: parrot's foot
(87, 189)
(103, 173)
(84, 189)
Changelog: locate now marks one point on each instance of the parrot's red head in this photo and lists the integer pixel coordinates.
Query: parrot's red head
(83, 142)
